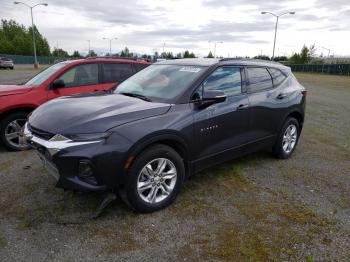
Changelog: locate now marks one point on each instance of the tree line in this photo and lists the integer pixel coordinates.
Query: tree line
(17, 40)
(306, 55)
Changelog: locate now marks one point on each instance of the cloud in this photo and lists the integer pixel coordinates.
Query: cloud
(123, 12)
(144, 25)
(262, 5)
(334, 4)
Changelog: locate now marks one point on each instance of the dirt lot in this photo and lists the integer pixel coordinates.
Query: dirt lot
(20, 74)
(255, 208)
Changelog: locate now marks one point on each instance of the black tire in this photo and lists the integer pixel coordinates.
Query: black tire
(277, 149)
(129, 192)
(12, 68)
(4, 123)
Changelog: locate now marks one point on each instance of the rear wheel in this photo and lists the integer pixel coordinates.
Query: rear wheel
(10, 128)
(288, 139)
(154, 179)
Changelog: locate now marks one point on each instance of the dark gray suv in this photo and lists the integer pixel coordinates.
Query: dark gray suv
(166, 122)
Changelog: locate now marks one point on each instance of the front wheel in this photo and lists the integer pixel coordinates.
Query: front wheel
(10, 128)
(288, 139)
(154, 179)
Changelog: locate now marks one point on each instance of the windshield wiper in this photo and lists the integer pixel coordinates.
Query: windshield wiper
(137, 96)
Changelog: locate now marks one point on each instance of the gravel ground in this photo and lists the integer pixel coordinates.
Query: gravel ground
(256, 208)
(20, 74)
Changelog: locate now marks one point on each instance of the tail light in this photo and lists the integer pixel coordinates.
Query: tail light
(304, 92)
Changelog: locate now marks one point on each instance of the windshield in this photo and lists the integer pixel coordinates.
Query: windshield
(42, 76)
(161, 83)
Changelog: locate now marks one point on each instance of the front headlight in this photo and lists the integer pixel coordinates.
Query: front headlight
(88, 137)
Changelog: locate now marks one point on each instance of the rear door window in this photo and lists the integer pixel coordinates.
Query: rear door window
(277, 76)
(116, 72)
(259, 79)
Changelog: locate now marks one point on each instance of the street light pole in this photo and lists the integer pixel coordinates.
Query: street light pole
(33, 33)
(34, 43)
(277, 18)
(274, 40)
(215, 42)
(325, 48)
(110, 43)
(89, 47)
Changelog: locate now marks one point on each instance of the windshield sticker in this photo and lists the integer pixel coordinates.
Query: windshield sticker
(190, 69)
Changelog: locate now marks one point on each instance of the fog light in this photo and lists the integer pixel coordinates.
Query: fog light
(86, 172)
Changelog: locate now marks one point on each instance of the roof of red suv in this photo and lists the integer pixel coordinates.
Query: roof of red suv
(103, 59)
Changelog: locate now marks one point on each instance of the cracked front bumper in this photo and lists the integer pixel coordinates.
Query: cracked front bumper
(60, 162)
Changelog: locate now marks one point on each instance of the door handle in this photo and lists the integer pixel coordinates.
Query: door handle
(281, 96)
(242, 106)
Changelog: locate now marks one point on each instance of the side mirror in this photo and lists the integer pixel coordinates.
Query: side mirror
(211, 97)
(58, 83)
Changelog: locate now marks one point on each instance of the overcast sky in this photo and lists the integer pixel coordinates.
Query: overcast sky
(144, 26)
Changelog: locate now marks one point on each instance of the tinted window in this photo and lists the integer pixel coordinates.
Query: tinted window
(81, 75)
(139, 67)
(114, 72)
(277, 76)
(259, 79)
(226, 79)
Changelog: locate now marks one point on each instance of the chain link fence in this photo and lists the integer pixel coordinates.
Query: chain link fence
(44, 60)
(336, 69)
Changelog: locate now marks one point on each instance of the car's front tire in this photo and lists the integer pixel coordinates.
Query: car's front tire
(287, 139)
(10, 128)
(154, 179)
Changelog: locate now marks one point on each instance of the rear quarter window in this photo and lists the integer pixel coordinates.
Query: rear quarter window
(277, 76)
(116, 72)
(259, 79)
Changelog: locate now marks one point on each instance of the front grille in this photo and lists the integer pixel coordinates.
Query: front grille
(40, 133)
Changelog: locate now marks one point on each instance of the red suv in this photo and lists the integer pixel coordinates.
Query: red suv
(62, 79)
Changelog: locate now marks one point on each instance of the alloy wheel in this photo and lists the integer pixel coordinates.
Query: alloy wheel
(157, 180)
(12, 133)
(289, 138)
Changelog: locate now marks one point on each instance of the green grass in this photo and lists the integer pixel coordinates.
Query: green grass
(3, 241)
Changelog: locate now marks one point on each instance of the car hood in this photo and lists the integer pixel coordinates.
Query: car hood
(92, 114)
(6, 90)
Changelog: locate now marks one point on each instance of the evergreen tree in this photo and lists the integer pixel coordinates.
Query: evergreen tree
(59, 53)
(187, 54)
(91, 54)
(263, 57)
(210, 55)
(76, 54)
(126, 53)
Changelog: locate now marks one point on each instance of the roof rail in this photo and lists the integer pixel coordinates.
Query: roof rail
(114, 57)
(248, 59)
